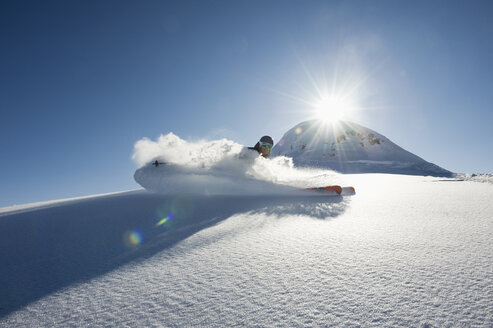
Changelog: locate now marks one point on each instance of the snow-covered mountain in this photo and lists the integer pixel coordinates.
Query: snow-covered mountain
(350, 148)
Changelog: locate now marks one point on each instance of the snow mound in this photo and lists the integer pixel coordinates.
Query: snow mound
(219, 167)
(476, 177)
(350, 148)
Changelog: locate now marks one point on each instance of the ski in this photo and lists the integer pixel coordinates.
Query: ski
(334, 190)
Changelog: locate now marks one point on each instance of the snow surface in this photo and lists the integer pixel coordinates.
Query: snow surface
(350, 148)
(405, 251)
(50, 203)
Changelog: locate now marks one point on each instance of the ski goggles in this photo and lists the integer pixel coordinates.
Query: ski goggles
(265, 145)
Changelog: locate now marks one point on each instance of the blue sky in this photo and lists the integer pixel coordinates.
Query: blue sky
(82, 81)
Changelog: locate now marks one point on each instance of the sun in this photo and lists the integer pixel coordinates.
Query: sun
(330, 101)
(332, 108)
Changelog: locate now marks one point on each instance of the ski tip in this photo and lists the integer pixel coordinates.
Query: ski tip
(348, 191)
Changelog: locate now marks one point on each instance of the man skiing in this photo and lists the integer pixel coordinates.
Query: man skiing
(264, 146)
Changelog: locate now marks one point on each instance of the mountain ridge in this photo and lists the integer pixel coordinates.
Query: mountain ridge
(348, 147)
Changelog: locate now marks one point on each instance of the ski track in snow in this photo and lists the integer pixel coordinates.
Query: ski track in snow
(403, 252)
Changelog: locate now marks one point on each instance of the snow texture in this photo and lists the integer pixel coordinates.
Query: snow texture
(405, 251)
(350, 148)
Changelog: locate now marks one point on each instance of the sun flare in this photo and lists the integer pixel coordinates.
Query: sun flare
(332, 109)
(330, 101)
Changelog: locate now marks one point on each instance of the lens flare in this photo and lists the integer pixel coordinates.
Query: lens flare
(133, 238)
(164, 220)
(161, 222)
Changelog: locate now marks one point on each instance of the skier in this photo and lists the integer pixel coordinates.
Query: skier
(264, 146)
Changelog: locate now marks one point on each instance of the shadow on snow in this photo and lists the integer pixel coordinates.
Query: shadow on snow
(45, 250)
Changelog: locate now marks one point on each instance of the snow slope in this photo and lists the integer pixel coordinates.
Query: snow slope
(350, 148)
(405, 251)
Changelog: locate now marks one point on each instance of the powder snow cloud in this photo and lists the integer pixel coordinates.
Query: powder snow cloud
(218, 165)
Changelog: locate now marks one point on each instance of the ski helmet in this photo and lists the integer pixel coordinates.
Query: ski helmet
(267, 139)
